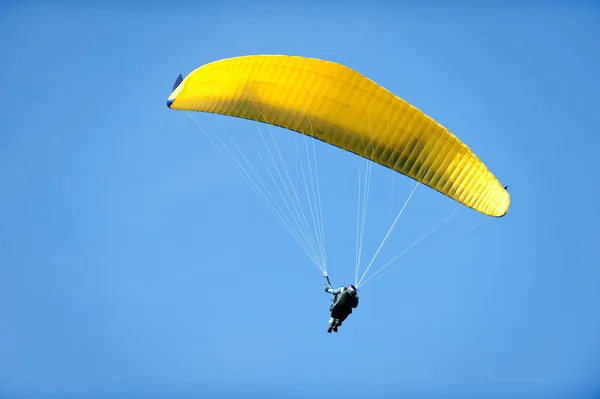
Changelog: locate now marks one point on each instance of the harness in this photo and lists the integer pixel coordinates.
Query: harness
(337, 297)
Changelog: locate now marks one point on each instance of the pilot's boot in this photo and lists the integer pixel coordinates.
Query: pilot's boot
(330, 325)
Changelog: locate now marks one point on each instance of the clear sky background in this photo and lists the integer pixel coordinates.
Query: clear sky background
(134, 260)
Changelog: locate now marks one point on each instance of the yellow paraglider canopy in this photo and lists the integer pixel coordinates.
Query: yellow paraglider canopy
(339, 106)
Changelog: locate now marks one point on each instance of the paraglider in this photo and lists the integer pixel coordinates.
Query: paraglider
(337, 105)
(344, 300)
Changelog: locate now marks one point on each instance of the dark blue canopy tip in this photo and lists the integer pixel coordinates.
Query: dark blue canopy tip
(177, 81)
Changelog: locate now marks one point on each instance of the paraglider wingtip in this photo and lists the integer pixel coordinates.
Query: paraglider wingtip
(175, 86)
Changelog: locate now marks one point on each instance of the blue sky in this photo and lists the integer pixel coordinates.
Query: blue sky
(135, 260)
